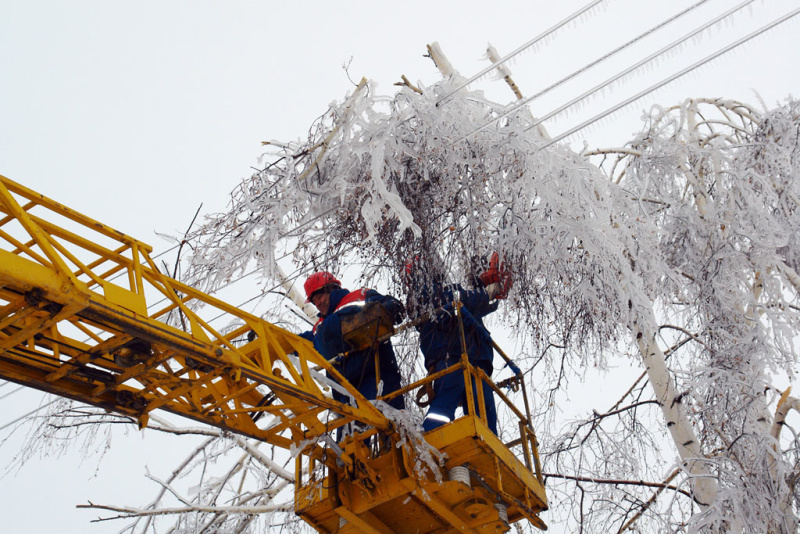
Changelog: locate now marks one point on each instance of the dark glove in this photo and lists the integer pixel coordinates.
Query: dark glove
(395, 308)
(399, 313)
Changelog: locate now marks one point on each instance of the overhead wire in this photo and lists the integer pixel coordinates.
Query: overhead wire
(522, 48)
(520, 103)
(673, 77)
(640, 63)
(12, 392)
(21, 417)
(296, 274)
(233, 281)
(255, 270)
(299, 272)
(292, 277)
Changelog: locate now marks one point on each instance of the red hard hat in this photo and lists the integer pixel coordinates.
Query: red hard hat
(317, 281)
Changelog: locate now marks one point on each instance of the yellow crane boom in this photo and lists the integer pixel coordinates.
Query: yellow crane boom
(86, 314)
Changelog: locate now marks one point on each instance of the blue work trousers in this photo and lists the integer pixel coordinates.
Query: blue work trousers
(450, 393)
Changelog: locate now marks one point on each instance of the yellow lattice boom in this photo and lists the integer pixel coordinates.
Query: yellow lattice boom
(85, 313)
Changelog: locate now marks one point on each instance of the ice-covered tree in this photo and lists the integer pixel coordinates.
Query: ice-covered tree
(719, 181)
(683, 251)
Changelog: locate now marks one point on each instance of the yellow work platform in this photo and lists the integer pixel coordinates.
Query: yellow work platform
(484, 470)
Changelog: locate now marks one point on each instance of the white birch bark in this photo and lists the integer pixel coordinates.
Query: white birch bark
(680, 427)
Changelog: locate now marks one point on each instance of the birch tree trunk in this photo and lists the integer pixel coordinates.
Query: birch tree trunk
(704, 487)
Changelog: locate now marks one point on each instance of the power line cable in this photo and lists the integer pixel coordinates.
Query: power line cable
(20, 418)
(522, 48)
(520, 103)
(640, 63)
(255, 270)
(290, 278)
(243, 276)
(673, 77)
(12, 392)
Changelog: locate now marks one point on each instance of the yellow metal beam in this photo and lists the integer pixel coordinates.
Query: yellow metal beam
(56, 279)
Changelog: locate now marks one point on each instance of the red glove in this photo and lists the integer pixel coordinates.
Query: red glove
(492, 274)
(497, 274)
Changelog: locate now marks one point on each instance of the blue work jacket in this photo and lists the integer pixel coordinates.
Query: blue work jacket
(439, 337)
(360, 365)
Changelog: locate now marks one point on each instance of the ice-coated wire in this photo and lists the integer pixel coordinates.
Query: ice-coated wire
(528, 99)
(519, 50)
(635, 66)
(674, 77)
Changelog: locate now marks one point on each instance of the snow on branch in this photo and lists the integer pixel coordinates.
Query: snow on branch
(727, 180)
(381, 181)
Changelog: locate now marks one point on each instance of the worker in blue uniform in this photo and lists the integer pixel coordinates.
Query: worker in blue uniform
(440, 336)
(334, 303)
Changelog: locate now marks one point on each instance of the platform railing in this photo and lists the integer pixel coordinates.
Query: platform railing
(475, 401)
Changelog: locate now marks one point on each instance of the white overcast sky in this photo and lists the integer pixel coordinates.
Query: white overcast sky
(135, 113)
